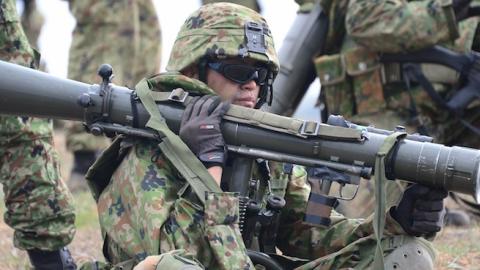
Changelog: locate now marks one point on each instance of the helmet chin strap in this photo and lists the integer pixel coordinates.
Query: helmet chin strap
(202, 69)
(262, 97)
(266, 92)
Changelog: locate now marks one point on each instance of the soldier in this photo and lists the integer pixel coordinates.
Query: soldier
(151, 207)
(356, 85)
(125, 34)
(38, 203)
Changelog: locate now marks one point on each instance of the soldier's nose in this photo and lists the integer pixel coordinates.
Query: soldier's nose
(250, 85)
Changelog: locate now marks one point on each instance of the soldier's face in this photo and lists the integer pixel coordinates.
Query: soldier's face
(245, 94)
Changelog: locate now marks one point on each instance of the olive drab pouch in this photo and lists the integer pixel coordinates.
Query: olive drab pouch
(99, 174)
(331, 71)
(352, 82)
(364, 70)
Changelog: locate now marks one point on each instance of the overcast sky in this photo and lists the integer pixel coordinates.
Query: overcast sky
(55, 37)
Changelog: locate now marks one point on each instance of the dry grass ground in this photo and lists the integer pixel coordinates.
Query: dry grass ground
(457, 248)
(87, 243)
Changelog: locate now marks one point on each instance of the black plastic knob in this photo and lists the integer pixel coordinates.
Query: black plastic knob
(105, 71)
(84, 100)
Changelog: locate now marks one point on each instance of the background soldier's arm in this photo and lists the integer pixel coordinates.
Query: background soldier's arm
(398, 25)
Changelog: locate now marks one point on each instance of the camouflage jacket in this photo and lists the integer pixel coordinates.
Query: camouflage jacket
(392, 26)
(357, 85)
(148, 209)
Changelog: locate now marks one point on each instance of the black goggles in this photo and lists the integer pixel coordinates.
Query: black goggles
(241, 73)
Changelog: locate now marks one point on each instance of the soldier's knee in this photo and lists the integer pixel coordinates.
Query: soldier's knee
(414, 253)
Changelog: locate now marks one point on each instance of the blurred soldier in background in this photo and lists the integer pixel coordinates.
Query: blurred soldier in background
(32, 21)
(124, 34)
(358, 86)
(38, 203)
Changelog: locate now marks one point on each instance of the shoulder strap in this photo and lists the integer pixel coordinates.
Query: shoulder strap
(175, 149)
(380, 194)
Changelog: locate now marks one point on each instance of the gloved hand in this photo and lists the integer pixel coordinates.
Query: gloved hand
(421, 210)
(200, 129)
(461, 7)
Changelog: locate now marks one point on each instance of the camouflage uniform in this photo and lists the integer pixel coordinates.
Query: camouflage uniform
(146, 213)
(125, 34)
(38, 203)
(357, 86)
(147, 207)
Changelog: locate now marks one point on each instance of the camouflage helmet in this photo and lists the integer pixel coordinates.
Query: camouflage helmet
(224, 30)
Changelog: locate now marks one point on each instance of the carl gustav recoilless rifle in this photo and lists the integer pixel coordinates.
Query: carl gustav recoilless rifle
(107, 108)
(250, 135)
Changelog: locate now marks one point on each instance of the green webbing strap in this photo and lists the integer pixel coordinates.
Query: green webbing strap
(380, 195)
(175, 149)
(289, 125)
(239, 114)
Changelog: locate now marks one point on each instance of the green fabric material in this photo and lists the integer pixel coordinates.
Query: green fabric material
(381, 196)
(172, 80)
(99, 174)
(239, 114)
(175, 149)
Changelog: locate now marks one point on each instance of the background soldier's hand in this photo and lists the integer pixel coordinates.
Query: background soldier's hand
(200, 129)
(460, 7)
(421, 210)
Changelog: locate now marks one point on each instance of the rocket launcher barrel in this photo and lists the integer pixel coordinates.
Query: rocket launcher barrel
(29, 92)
